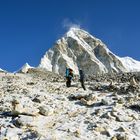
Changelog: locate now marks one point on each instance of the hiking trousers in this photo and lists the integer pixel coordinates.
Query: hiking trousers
(68, 82)
(82, 84)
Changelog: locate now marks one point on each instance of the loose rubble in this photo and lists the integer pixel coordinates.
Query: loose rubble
(37, 105)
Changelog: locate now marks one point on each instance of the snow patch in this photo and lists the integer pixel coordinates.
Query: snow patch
(25, 68)
(1, 69)
(131, 64)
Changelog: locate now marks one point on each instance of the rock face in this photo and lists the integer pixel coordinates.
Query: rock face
(80, 49)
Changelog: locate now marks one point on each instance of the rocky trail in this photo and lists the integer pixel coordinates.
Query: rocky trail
(38, 106)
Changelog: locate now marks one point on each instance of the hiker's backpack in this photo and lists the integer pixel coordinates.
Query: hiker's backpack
(67, 72)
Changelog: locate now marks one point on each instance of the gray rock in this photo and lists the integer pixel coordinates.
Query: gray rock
(39, 99)
(136, 128)
(105, 101)
(44, 110)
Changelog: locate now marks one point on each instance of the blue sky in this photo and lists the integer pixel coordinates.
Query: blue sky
(28, 28)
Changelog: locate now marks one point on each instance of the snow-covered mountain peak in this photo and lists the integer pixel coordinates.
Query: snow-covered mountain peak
(77, 48)
(1, 70)
(74, 30)
(77, 32)
(25, 68)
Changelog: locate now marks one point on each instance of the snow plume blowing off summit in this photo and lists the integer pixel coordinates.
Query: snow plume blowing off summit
(77, 48)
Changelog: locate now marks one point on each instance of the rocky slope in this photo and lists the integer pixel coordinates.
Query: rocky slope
(80, 49)
(38, 106)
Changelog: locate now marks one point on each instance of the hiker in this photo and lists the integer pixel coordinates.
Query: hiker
(82, 78)
(69, 76)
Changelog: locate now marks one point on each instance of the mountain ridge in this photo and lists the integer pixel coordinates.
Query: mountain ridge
(77, 48)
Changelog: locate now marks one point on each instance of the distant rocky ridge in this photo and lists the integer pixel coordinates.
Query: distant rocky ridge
(25, 68)
(80, 49)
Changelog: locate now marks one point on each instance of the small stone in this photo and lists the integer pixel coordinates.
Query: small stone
(135, 116)
(38, 99)
(100, 129)
(83, 101)
(120, 101)
(114, 138)
(17, 107)
(124, 118)
(87, 102)
(98, 112)
(18, 123)
(133, 81)
(74, 113)
(122, 137)
(77, 133)
(136, 129)
(121, 117)
(43, 110)
(91, 126)
(15, 102)
(108, 116)
(105, 102)
(117, 106)
(122, 129)
(23, 120)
